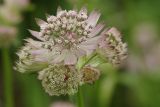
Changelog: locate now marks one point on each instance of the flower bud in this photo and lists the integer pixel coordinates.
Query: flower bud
(90, 74)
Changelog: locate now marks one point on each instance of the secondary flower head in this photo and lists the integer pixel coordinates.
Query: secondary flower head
(27, 58)
(112, 47)
(60, 79)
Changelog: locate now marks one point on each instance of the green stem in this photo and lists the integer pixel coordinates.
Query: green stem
(80, 93)
(80, 98)
(7, 74)
(71, 98)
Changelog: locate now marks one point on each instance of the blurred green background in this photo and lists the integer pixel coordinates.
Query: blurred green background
(135, 84)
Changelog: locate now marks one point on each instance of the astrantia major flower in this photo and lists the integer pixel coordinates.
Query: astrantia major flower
(60, 79)
(27, 59)
(73, 34)
(112, 47)
(66, 52)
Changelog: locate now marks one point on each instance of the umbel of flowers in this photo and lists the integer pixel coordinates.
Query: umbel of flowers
(65, 51)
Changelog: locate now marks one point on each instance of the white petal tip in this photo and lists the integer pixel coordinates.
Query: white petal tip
(39, 21)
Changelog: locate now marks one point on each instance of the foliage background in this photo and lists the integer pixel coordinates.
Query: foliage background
(135, 84)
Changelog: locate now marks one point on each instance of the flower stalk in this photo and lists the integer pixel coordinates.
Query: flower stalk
(8, 78)
(80, 101)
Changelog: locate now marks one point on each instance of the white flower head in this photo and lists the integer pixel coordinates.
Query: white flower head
(60, 79)
(112, 47)
(73, 34)
(27, 63)
(62, 42)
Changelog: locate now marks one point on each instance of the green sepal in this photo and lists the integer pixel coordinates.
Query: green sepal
(93, 59)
